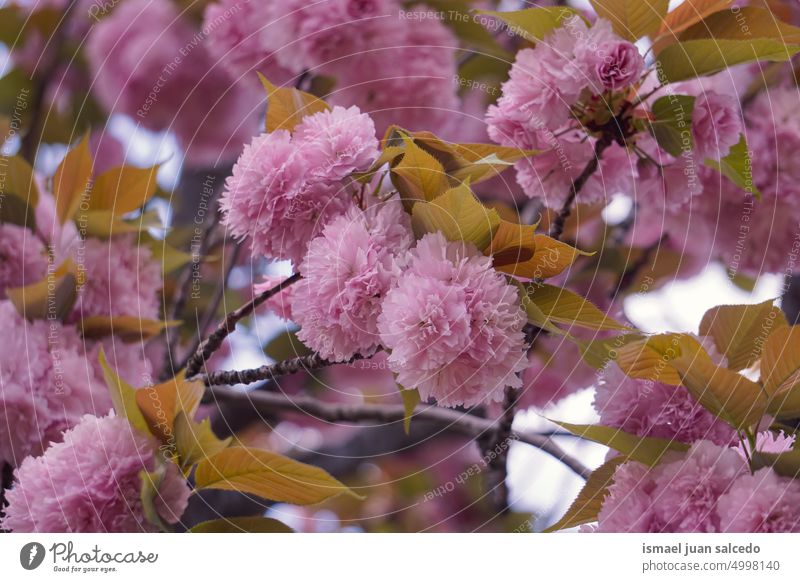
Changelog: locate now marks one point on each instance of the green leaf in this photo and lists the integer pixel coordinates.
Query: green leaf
(242, 525)
(735, 399)
(599, 352)
(564, 307)
(287, 106)
(151, 481)
(127, 328)
(418, 175)
(162, 403)
(744, 23)
(786, 464)
(52, 298)
(19, 180)
(71, 180)
(123, 189)
(267, 475)
(740, 331)
(14, 210)
(123, 396)
(645, 450)
(738, 168)
(195, 441)
(632, 19)
(780, 371)
(697, 58)
(410, 400)
(535, 23)
(458, 215)
(672, 123)
(590, 500)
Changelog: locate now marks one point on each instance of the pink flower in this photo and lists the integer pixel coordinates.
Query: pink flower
(275, 198)
(688, 488)
(46, 384)
(346, 274)
(680, 494)
(654, 409)
(761, 503)
(122, 278)
(628, 506)
(23, 258)
(238, 36)
(453, 325)
(617, 64)
(716, 125)
(91, 482)
(768, 442)
(555, 371)
(342, 141)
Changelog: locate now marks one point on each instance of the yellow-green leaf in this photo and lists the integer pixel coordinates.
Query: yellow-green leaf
(242, 525)
(105, 223)
(744, 23)
(737, 167)
(195, 441)
(632, 19)
(287, 106)
(19, 180)
(590, 500)
(690, 12)
(552, 257)
(127, 328)
(160, 404)
(410, 400)
(697, 58)
(123, 396)
(780, 372)
(512, 246)
(564, 307)
(151, 481)
(740, 331)
(645, 450)
(418, 175)
(51, 298)
(735, 399)
(123, 189)
(71, 180)
(651, 358)
(535, 23)
(786, 464)
(267, 475)
(459, 215)
(671, 125)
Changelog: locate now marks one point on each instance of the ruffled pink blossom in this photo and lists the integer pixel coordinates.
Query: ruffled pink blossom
(23, 258)
(341, 141)
(654, 409)
(628, 506)
(687, 489)
(347, 272)
(761, 503)
(91, 482)
(275, 199)
(716, 125)
(453, 325)
(556, 370)
(46, 384)
(617, 64)
(122, 278)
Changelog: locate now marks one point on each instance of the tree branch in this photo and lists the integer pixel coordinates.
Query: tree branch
(557, 228)
(467, 424)
(270, 371)
(214, 341)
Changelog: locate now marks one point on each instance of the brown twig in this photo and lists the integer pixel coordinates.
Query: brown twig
(467, 424)
(270, 371)
(557, 228)
(211, 344)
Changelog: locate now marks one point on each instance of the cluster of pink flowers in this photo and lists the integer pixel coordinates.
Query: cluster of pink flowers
(286, 187)
(349, 41)
(707, 489)
(347, 272)
(23, 257)
(92, 482)
(573, 72)
(454, 325)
